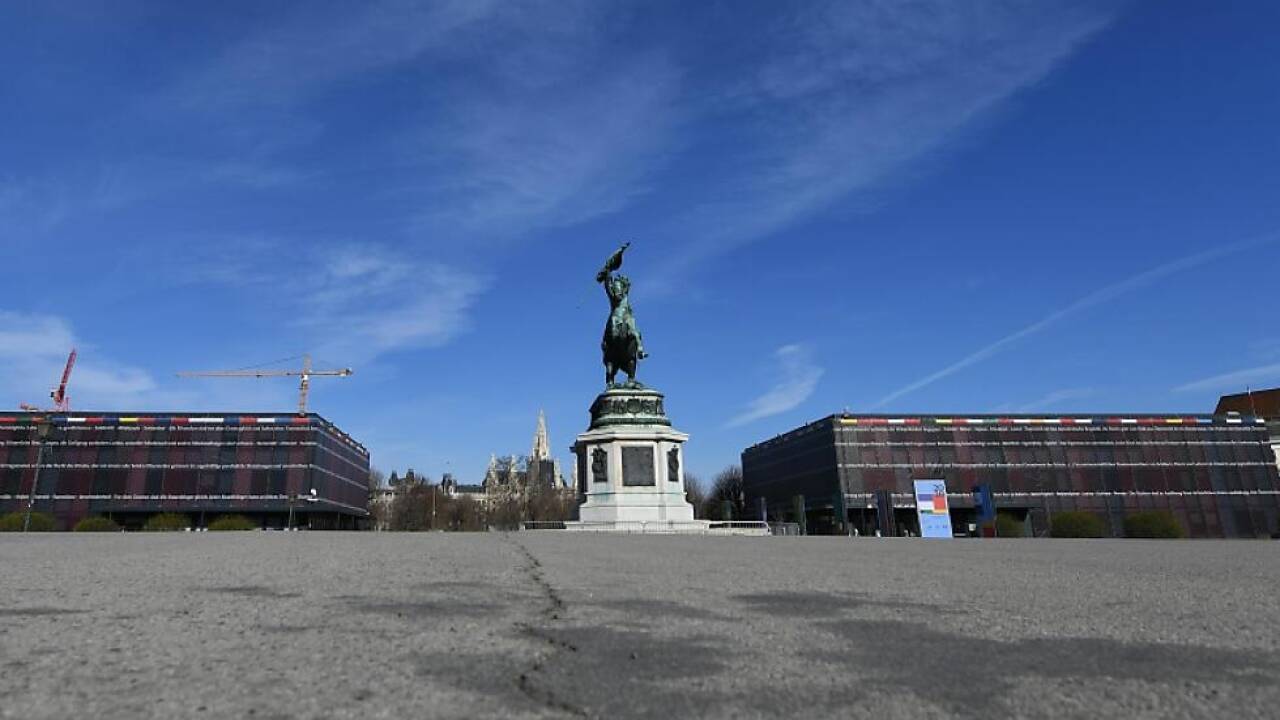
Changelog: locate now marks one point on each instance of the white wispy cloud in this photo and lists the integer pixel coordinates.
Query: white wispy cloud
(30, 206)
(23, 335)
(1093, 299)
(850, 95)
(242, 110)
(536, 119)
(1264, 348)
(555, 155)
(254, 174)
(798, 377)
(542, 114)
(36, 205)
(1236, 380)
(562, 126)
(366, 301)
(33, 350)
(348, 301)
(304, 54)
(1054, 399)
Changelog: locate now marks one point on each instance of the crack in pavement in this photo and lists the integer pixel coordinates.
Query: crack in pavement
(553, 610)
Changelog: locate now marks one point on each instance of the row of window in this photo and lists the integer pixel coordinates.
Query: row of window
(1046, 443)
(186, 453)
(1186, 433)
(1062, 479)
(152, 480)
(229, 435)
(154, 443)
(1058, 455)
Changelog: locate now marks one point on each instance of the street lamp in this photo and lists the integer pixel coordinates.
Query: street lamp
(42, 433)
(293, 498)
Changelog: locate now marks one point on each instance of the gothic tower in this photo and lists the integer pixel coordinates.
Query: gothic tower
(541, 445)
(543, 468)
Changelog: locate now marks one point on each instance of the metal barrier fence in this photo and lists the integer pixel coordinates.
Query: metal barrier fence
(542, 525)
(657, 527)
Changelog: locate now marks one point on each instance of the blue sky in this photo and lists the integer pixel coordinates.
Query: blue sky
(922, 206)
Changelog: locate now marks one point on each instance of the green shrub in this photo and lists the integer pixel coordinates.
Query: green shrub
(1077, 524)
(1009, 526)
(1153, 524)
(96, 523)
(233, 522)
(167, 522)
(40, 522)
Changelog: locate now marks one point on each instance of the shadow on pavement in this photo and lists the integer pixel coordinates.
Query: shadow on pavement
(254, 591)
(656, 609)
(37, 612)
(820, 604)
(973, 676)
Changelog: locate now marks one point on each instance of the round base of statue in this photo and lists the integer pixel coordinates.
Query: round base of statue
(631, 466)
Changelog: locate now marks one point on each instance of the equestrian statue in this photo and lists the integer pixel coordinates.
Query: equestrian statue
(622, 347)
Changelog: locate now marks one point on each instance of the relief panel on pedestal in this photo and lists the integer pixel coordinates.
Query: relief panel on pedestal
(637, 466)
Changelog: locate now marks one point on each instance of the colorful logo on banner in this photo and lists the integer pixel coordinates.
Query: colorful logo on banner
(932, 510)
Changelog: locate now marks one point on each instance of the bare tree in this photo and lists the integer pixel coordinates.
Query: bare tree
(504, 513)
(377, 511)
(461, 514)
(727, 496)
(546, 503)
(411, 508)
(695, 493)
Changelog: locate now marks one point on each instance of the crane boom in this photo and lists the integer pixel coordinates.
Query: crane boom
(305, 373)
(62, 403)
(262, 373)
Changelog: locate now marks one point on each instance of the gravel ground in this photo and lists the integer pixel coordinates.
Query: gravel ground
(543, 624)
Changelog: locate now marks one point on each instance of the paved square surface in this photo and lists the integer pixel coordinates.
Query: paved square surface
(540, 624)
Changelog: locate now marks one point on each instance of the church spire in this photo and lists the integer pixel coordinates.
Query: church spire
(541, 445)
(491, 473)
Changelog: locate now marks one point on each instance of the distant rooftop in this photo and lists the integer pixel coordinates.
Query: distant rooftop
(1263, 403)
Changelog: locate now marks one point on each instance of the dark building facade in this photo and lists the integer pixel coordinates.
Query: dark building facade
(130, 466)
(1260, 403)
(1216, 474)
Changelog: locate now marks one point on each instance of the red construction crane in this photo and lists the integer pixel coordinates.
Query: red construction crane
(304, 387)
(61, 401)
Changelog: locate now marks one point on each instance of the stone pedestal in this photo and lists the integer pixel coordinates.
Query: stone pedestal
(631, 466)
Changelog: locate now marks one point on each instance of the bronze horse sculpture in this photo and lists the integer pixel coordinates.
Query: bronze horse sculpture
(622, 346)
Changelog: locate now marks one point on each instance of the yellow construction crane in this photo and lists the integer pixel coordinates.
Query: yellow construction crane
(306, 373)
